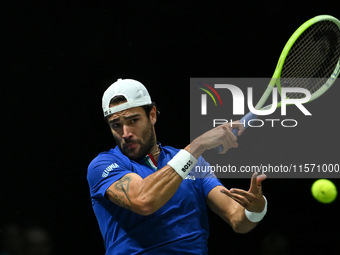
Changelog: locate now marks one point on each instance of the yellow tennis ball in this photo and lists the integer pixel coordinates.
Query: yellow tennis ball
(324, 191)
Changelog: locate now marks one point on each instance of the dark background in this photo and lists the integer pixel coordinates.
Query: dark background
(58, 58)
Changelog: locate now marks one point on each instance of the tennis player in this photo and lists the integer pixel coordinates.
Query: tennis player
(148, 198)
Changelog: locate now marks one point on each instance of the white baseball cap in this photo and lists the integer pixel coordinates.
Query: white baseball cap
(134, 92)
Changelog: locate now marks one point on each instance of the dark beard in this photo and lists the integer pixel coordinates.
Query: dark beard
(145, 147)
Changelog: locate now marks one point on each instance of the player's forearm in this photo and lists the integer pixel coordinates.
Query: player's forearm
(157, 189)
(239, 221)
(196, 148)
(148, 195)
(229, 210)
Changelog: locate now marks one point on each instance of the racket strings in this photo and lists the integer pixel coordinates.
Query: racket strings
(305, 55)
(312, 59)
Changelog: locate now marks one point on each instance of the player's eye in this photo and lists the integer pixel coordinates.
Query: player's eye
(115, 125)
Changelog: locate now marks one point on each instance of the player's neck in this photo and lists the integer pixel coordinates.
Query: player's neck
(155, 151)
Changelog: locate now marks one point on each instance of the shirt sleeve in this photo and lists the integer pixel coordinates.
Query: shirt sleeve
(103, 171)
(208, 178)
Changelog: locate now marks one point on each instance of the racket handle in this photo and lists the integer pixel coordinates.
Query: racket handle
(244, 120)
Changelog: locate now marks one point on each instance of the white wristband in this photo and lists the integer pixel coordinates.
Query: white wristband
(183, 162)
(256, 217)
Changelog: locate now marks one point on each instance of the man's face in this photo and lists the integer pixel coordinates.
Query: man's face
(133, 131)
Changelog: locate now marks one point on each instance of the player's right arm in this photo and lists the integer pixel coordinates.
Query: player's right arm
(146, 196)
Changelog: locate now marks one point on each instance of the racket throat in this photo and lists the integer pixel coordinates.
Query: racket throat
(259, 109)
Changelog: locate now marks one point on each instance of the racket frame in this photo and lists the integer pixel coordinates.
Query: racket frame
(275, 80)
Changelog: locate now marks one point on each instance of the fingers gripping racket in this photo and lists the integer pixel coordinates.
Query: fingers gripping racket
(309, 60)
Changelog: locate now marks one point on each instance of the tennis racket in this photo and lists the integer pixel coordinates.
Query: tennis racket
(309, 60)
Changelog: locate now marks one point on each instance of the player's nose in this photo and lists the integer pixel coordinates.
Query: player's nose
(126, 132)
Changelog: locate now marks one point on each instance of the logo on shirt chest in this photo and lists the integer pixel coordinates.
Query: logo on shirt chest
(190, 177)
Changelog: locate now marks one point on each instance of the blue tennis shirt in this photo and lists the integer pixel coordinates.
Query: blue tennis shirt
(179, 227)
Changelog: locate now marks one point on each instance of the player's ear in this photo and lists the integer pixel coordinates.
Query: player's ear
(153, 115)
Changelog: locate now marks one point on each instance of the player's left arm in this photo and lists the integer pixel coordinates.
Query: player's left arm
(230, 204)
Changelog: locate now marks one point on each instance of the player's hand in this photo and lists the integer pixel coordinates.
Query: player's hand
(252, 199)
(221, 135)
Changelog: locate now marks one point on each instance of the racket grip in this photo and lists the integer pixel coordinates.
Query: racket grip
(244, 120)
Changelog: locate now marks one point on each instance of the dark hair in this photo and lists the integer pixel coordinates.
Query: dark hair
(147, 108)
